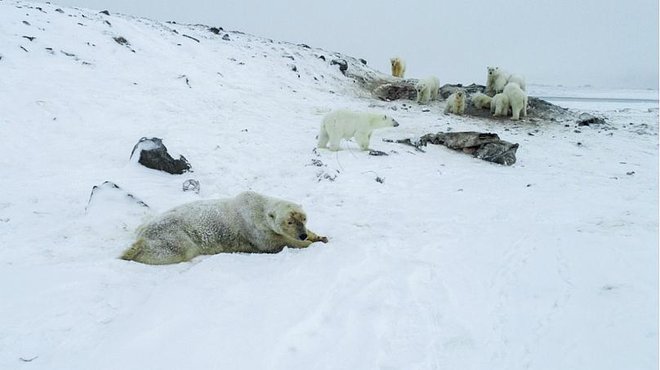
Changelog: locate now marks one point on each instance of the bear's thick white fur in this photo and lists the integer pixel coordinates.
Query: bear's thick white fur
(517, 100)
(456, 103)
(499, 106)
(345, 124)
(427, 89)
(249, 223)
(398, 67)
(481, 101)
(496, 80)
(519, 79)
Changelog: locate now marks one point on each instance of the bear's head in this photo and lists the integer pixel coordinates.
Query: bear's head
(288, 219)
(384, 121)
(493, 71)
(420, 86)
(460, 95)
(393, 61)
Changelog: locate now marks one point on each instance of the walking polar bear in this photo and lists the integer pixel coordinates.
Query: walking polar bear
(398, 67)
(249, 223)
(345, 124)
(427, 89)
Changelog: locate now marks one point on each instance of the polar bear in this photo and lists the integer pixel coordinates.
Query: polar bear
(345, 124)
(456, 103)
(427, 89)
(499, 106)
(249, 223)
(517, 100)
(496, 80)
(519, 79)
(398, 67)
(481, 101)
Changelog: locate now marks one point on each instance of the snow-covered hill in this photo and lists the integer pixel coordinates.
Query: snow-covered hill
(445, 262)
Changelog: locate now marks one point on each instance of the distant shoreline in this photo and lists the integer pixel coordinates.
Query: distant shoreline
(604, 100)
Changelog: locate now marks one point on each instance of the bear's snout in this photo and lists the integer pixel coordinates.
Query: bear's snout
(302, 236)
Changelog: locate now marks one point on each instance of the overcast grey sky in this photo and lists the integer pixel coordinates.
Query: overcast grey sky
(605, 43)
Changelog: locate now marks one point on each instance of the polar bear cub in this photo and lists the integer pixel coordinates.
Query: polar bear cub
(481, 101)
(345, 124)
(496, 80)
(427, 89)
(398, 67)
(456, 103)
(249, 223)
(517, 100)
(499, 106)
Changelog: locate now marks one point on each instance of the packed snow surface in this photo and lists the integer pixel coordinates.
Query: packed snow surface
(436, 260)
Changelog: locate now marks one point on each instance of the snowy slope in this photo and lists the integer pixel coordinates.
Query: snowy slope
(449, 263)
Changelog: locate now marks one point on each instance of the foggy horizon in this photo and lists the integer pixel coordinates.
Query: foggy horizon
(598, 44)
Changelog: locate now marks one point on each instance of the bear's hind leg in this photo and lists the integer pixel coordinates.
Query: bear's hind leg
(334, 142)
(323, 138)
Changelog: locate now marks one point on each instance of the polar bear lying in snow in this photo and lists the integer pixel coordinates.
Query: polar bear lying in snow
(250, 223)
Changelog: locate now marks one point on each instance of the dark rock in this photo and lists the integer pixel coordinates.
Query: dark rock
(501, 152)
(226, 37)
(322, 57)
(104, 12)
(216, 30)
(190, 37)
(31, 38)
(448, 89)
(304, 46)
(153, 154)
(395, 91)
(121, 40)
(342, 63)
(586, 119)
(26, 23)
(363, 61)
(191, 185)
(59, 10)
(486, 146)
(459, 140)
(108, 23)
(293, 67)
(377, 153)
